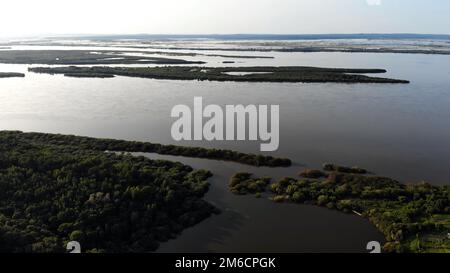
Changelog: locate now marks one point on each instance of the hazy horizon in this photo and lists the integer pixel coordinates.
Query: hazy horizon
(234, 36)
(26, 18)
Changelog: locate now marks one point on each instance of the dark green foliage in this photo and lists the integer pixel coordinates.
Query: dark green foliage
(147, 147)
(243, 183)
(413, 218)
(263, 74)
(54, 192)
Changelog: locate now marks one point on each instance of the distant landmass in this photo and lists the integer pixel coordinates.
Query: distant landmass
(265, 36)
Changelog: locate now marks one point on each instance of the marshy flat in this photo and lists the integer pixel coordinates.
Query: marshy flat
(80, 57)
(236, 74)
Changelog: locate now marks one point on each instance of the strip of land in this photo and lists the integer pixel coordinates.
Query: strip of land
(81, 57)
(244, 74)
(413, 218)
(11, 75)
(113, 145)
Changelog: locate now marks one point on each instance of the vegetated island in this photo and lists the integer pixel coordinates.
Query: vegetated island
(248, 74)
(413, 218)
(112, 145)
(54, 192)
(11, 75)
(81, 57)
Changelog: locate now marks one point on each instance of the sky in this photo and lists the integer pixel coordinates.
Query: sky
(49, 17)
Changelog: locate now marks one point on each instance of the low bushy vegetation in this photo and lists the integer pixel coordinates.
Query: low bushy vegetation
(413, 218)
(243, 183)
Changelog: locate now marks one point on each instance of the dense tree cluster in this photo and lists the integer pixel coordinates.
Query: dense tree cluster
(413, 218)
(53, 193)
(147, 147)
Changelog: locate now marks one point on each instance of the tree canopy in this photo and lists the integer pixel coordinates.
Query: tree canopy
(54, 193)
